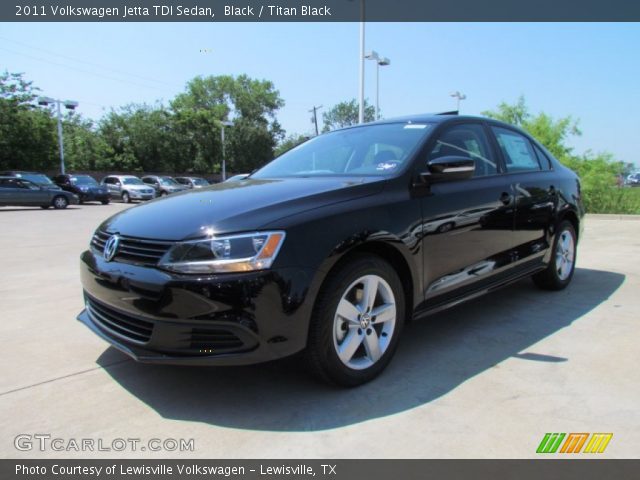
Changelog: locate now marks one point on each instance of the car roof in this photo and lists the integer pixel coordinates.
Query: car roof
(434, 118)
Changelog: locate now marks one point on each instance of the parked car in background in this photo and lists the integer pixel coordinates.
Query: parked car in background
(128, 188)
(38, 178)
(164, 185)
(313, 251)
(85, 187)
(192, 182)
(236, 178)
(633, 180)
(20, 192)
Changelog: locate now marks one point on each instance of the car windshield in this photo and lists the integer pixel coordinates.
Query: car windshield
(37, 178)
(200, 181)
(132, 181)
(83, 180)
(168, 182)
(378, 150)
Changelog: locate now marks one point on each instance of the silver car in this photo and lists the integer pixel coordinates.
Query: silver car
(128, 188)
(164, 185)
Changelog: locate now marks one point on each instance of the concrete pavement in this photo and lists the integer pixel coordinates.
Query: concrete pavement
(484, 380)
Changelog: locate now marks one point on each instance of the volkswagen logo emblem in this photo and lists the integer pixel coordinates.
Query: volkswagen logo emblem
(111, 247)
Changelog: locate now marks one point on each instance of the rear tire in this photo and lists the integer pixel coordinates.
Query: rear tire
(559, 272)
(104, 202)
(125, 197)
(356, 323)
(60, 202)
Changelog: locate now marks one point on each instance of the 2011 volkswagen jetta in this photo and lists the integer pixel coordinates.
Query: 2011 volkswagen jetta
(334, 246)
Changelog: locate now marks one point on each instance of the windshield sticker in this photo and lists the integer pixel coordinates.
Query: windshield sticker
(415, 125)
(384, 166)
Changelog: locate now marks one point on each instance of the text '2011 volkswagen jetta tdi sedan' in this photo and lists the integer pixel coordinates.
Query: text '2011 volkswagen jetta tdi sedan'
(332, 247)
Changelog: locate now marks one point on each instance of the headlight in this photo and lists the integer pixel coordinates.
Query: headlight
(84, 189)
(232, 253)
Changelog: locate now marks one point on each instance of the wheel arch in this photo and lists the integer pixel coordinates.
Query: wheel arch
(392, 255)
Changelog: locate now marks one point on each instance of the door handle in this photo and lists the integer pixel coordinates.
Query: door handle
(506, 198)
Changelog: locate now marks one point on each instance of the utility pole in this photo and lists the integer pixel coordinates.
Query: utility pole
(314, 110)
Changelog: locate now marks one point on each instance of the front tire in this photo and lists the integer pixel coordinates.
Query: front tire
(559, 272)
(60, 202)
(104, 202)
(125, 197)
(357, 322)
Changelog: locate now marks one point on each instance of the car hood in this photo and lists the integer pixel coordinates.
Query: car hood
(137, 187)
(236, 206)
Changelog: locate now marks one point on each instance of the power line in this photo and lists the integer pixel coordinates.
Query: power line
(86, 62)
(82, 70)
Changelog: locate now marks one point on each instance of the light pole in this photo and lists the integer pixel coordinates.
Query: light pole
(226, 123)
(69, 105)
(361, 57)
(458, 96)
(380, 62)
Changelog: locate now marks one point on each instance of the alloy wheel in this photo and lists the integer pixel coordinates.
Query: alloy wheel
(565, 254)
(364, 322)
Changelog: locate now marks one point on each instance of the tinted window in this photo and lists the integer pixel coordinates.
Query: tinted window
(83, 180)
(517, 150)
(543, 158)
(37, 178)
(467, 140)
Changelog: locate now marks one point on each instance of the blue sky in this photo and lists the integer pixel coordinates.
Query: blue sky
(590, 71)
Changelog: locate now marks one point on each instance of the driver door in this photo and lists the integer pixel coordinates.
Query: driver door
(467, 224)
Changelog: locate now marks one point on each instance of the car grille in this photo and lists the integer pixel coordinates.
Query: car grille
(117, 323)
(133, 250)
(146, 192)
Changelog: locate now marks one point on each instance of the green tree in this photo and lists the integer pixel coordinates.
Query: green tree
(345, 114)
(27, 133)
(208, 101)
(290, 142)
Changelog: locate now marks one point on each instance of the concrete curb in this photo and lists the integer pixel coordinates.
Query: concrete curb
(612, 216)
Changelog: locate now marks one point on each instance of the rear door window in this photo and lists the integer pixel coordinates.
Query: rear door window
(517, 150)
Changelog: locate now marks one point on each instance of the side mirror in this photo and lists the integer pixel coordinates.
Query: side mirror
(450, 167)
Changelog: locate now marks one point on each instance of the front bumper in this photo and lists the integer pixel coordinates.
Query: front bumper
(141, 196)
(232, 319)
(94, 196)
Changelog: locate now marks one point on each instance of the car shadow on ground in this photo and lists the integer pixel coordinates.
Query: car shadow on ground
(436, 355)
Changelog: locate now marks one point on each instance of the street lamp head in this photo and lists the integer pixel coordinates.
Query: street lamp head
(71, 104)
(372, 55)
(45, 101)
(227, 123)
(384, 61)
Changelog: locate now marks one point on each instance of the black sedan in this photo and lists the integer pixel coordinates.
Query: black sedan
(334, 246)
(20, 192)
(85, 187)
